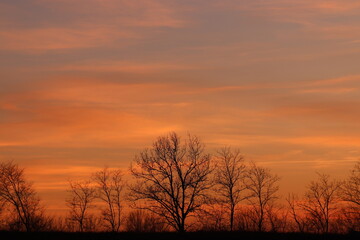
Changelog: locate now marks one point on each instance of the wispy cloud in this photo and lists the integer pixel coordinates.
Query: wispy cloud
(59, 38)
(66, 115)
(317, 17)
(125, 66)
(85, 24)
(330, 90)
(336, 81)
(141, 13)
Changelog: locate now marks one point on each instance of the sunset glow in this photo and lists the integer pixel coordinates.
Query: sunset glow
(89, 83)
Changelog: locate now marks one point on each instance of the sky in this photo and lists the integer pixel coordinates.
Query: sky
(90, 83)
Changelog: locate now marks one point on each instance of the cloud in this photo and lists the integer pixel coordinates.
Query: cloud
(101, 114)
(11, 144)
(125, 66)
(330, 90)
(140, 13)
(82, 24)
(80, 127)
(292, 6)
(332, 141)
(336, 81)
(316, 18)
(43, 39)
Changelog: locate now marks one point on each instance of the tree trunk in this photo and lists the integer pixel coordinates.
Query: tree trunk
(232, 211)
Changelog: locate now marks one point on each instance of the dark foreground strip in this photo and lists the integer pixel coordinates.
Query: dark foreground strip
(4, 235)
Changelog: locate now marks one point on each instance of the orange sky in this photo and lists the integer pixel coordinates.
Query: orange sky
(89, 83)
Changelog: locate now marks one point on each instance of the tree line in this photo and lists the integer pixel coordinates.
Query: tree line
(178, 186)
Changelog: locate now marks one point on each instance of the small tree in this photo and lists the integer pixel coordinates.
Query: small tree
(351, 188)
(19, 194)
(320, 202)
(263, 187)
(229, 177)
(110, 186)
(277, 218)
(301, 223)
(80, 201)
(350, 193)
(172, 178)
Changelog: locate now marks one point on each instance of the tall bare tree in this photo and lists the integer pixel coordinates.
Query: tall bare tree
(80, 201)
(320, 202)
(263, 186)
(19, 194)
(351, 188)
(110, 187)
(229, 177)
(172, 177)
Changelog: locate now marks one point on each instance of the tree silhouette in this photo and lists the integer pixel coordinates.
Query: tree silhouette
(22, 198)
(350, 193)
(294, 208)
(263, 186)
(351, 188)
(80, 201)
(110, 186)
(320, 200)
(172, 177)
(229, 177)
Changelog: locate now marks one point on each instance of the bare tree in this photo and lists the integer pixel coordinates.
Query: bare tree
(347, 219)
(351, 188)
(80, 201)
(277, 218)
(19, 194)
(110, 186)
(294, 209)
(263, 186)
(320, 202)
(229, 177)
(172, 177)
(350, 193)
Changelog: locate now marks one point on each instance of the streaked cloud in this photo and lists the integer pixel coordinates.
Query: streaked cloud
(141, 13)
(60, 38)
(118, 66)
(82, 24)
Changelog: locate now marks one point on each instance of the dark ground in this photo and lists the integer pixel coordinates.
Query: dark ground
(4, 235)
